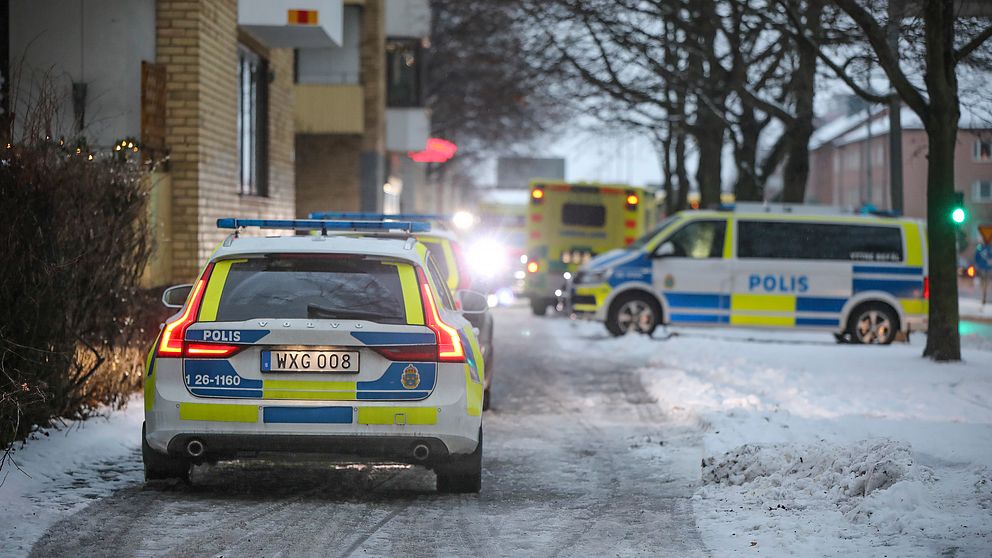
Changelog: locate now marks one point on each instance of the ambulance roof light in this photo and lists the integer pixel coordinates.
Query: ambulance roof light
(323, 225)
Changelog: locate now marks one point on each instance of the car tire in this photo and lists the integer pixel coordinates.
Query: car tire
(160, 466)
(538, 306)
(873, 323)
(462, 475)
(633, 312)
(486, 400)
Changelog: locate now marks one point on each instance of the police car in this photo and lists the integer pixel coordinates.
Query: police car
(446, 252)
(341, 345)
(862, 277)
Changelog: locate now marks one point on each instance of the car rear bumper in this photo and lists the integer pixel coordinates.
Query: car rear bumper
(405, 449)
(445, 421)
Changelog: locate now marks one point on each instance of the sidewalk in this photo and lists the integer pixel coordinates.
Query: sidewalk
(970, 301)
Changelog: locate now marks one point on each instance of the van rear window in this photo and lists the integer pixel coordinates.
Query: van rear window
(308, 287)
(819, 241)
(583, 215)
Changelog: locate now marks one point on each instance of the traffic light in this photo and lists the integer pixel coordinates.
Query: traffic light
(958, 213)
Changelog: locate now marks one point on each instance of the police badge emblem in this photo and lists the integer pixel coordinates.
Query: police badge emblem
(411, 377)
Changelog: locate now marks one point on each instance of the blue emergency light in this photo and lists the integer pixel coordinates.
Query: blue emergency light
(323, 225)
(379, 216)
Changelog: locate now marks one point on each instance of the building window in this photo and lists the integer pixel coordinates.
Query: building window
(982, 191)
(253, 133)
(404, 68)
(983, 150)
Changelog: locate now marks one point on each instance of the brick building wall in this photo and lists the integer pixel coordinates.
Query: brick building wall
(327, 173)
(197, 42)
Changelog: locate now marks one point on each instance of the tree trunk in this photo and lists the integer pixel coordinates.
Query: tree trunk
(746, 157)
(943, 340)
(796, 172)
(667, 175)
(682, 200)
(708, 132)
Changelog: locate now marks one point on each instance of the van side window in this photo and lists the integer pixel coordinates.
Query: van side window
(699, 240)
(819, 241)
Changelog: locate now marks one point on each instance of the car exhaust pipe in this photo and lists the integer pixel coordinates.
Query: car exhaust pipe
(195, 448)
(421, 452)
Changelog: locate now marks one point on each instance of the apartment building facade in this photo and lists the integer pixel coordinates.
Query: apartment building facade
(361, 109)
(849, 165)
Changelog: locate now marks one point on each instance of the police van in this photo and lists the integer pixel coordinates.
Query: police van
(862, 277)
(342, 345)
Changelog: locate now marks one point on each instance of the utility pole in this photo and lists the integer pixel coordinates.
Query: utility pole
(896, 8)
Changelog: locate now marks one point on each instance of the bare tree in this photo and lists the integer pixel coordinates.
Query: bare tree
(947, 40)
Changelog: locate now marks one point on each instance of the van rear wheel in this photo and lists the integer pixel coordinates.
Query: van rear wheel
(873, 324)
(635, 312)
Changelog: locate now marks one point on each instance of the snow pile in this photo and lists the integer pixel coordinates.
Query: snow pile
(61, 470)
(851, 477)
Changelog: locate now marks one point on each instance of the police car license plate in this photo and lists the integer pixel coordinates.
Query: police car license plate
(310, 361)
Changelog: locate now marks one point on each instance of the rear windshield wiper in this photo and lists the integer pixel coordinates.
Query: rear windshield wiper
(315, 311)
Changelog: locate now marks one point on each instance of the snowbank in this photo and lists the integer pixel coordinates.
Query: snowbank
(810, 448)
(61, 470)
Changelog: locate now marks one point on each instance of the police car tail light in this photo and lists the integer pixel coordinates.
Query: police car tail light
(449, 344)
(926, 288)
(211, 350)
(408, 353)
(173, 334)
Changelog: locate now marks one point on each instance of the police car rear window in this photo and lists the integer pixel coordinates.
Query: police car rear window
(309, 287)
(583, 215)
(819, 241)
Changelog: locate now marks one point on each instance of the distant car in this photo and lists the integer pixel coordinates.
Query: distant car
(340, 345)
(864, 278)
(447, 252)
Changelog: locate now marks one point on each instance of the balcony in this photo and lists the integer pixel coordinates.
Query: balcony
(329, 109)
(292, 23)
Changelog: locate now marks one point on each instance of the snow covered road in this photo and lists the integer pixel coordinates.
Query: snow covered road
(594, 447)
(578, 460)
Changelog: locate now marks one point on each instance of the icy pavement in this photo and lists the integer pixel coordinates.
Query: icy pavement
(818, 449)
(713, 441)
(62, 470)
(578, 460)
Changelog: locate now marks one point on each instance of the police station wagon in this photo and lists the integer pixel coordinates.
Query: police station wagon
(341, 345)
(862, 277)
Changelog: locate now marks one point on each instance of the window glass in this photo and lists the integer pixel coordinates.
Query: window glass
(819, 241)
(583, 215)
(443, 294)
(436, 251)
(253, 145)
(646, 237)
(302, 287)
(983, 150)
(699, 240)
(983, 191)
(403, 71)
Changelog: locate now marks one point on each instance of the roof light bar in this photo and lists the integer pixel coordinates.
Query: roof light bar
(380, 216)
(324, 225)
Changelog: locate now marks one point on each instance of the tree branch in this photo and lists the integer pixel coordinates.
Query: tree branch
(973, 44)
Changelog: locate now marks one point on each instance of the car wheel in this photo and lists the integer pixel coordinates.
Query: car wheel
(463, 474)
(873, 324)
(160, 466)
(489, 379)
(538, 306)
(486, 400)
(635, 312)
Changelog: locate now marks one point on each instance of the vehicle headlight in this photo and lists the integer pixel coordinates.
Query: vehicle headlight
(487, 258)
(592, 276)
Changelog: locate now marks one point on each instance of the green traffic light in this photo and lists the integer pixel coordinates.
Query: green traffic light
(957, 215)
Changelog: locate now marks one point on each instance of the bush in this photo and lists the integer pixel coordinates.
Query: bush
(74, 242)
